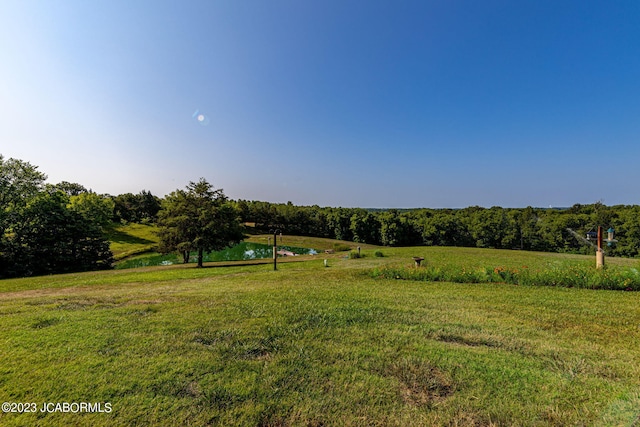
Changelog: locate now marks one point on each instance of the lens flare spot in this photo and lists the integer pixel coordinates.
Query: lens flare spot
(201, 118)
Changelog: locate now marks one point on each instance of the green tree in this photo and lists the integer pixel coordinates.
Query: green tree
(390, 228)
(93, 207)
(319, 225)
(199, 219)
(339, 222)
(48, 237)
(148, 206)
(141, 207)
(627, 227)
(70, 188)
(487, 227)
(20, 182)
(529, 235)
(442, 229)
(38, 233)
(365, 227)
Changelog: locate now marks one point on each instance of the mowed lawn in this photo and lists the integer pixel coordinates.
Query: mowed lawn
(310, 345)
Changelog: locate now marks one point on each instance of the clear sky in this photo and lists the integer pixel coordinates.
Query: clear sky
(337, 103)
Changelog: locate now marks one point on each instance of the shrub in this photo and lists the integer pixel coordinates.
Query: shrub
(355, 255)
(379, 254)
(341, 247)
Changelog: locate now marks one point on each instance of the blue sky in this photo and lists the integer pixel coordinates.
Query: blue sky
(336, 103)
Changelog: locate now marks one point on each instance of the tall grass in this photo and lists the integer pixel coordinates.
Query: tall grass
(569, 275)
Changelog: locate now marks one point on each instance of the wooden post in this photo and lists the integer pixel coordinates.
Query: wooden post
(275, 252)
(600, 251)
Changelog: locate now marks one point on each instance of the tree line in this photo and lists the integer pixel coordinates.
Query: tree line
(46, 229)
(533, 229)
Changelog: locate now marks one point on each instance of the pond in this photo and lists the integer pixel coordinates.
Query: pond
(241, 252)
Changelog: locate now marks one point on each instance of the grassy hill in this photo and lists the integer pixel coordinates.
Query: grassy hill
(314, 345)
(131, 239)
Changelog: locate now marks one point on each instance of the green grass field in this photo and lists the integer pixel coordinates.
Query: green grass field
(131, 239)
(310, 345)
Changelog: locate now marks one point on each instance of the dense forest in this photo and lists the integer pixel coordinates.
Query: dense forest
(534, 229)
(47, 228)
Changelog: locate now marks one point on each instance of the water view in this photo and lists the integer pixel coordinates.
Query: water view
(241, 252)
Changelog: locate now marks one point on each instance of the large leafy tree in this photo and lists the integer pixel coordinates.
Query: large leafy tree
(71, 188)
(141, 207)
(198, 219)
(396, 229)
(95, 208)
(39, 233)
(365, 227)
(19, 182)
(48, 237)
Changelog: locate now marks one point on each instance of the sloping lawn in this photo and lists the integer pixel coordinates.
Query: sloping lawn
(131, 239)
(314, 345)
